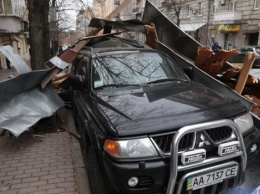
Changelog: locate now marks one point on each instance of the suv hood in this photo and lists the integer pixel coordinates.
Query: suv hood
(164, 107)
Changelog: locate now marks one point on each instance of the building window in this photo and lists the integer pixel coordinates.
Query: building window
(200, 8)
(232, 6)
(188, 9)
(257, 4)
(214, 6)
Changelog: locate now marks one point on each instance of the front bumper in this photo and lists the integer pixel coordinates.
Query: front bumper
(154, 174)
(249, 140)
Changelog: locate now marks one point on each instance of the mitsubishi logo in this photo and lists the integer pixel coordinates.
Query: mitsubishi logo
(201, 144)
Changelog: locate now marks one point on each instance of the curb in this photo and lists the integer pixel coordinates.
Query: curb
(80, 168)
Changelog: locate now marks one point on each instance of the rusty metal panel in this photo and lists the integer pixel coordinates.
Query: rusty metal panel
(169, 33)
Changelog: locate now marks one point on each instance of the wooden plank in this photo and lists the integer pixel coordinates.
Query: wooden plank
(48, 78)
(116, 11)
(249, 60)
(151, 36)
(203, 56)
(54, 79)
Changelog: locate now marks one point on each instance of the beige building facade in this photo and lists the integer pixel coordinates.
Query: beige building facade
(231, 23)
(194, 17)
(235, 23)
(134, 10)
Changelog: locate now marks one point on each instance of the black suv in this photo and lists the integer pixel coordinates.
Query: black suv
(148, 128)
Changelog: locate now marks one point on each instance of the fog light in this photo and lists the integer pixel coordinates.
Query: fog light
(133, 181)
(253, 148)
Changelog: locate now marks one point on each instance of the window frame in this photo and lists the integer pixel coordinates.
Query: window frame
(200, 8)
(214, 6)
(188, 11)
(255, 2)
(232, 5)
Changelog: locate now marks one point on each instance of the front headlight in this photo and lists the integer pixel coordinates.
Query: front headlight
(244, 122)
(134, 148)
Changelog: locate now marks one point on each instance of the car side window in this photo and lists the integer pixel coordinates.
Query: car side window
(81, 68)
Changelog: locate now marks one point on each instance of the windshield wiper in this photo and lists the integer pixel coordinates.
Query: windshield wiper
(116, 85)
(167, 80)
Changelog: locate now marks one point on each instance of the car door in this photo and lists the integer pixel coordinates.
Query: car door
(79, 98)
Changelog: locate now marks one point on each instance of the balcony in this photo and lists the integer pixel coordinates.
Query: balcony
(21, 12)
(137, 10)
(10, 23)
(228, 17)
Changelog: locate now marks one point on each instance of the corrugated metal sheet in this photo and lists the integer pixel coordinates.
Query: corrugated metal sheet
(16, 60)
(23, 102)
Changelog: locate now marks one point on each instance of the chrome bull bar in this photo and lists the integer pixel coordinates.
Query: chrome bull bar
(174, 168)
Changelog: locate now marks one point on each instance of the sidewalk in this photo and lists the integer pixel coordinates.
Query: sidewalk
(47, 163)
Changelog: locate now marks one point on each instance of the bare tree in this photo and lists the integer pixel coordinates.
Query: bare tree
(38, 18)
(66, 12)
(176, 6)
(39, 26)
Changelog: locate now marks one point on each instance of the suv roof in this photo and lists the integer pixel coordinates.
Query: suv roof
(115, 42)
(112, 44)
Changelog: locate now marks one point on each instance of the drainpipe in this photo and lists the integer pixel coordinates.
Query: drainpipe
(207, 37)
(3, 6)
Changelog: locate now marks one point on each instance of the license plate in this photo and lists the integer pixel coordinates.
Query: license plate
(228, 148)
(212, 178)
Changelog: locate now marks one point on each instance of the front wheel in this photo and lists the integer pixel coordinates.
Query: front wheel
(96, 180)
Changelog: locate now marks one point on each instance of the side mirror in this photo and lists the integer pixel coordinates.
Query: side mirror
(188, 71)
(77, 83)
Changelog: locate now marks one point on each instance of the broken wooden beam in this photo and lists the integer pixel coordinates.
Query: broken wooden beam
(249, 60)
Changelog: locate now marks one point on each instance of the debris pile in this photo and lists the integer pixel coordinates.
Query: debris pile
(59, 82)
(22, 102)
(237, 78)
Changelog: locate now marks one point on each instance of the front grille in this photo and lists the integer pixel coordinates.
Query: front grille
(186, 141)
(164, 142)
(219, 133)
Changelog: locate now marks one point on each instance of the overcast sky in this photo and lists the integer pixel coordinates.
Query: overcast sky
(71, 10)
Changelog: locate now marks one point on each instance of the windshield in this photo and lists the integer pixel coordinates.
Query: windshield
(135, 68)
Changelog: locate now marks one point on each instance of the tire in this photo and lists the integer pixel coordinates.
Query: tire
(96, 180)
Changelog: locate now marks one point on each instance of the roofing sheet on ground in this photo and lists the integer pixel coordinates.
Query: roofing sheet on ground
(23, 102)
(16, 60)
